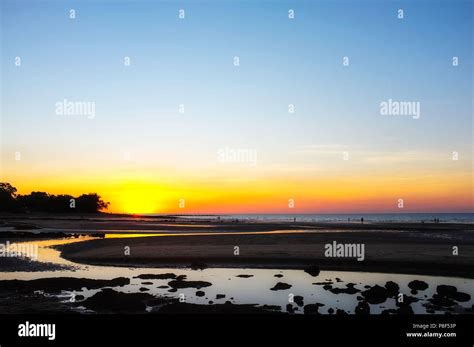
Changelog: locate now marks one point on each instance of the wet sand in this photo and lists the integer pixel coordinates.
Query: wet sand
(412, 248)
(393, 252)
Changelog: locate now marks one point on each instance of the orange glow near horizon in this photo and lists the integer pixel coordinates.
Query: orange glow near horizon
(367, 194)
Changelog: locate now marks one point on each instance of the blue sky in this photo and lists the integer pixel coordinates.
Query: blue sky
(190, 62)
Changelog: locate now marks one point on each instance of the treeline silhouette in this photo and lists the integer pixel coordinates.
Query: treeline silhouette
(10, 201)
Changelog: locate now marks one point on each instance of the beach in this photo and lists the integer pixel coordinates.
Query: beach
(135, 264)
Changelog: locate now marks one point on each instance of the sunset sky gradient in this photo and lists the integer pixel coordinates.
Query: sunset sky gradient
(173, 156)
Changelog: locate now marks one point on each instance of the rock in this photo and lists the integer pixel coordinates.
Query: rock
(289, 308)
(446, 290)
(244, 276)
(200, 293)
(58, 284)
(189, 284)
(348, 290)
(299, 300)
(330, 310)
(166, 276)
(375, 295)
(312, 270)
(109, 300)
(417, 285)
(281, 286)
(312, 308)
(220, 296)
(392, 289)
(362, 308)
(278, 275)
(322, 283)
(198, 266)
(462, 297)
(143, 289)
(146, 283)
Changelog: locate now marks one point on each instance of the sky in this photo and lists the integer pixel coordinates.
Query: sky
(336, 153)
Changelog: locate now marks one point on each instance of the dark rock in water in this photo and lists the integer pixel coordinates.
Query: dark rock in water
(181, 277)
(147, 283)
(407, 300)
(392, 289)
(200, 293)
(322, 283)
(281, 286)
(445, 298)
(143, 289)
(446, 290)
(299, 300)
(244, 276)
(278, 275)
(350, 289)
(198, 266)
(330, 310)
(375, 295)
(56, 285)
(163, 287)
(220, 296)
(312, 270)
(289, 308)
(327, 287)
(362, 308)
(417, 285)
(166, 276)
(441, 301)
(189, 284)
(211, 302)
(79, 297)
(173, 290)
(462, 297)
(338, 279)
(312, 308)
(341, 312)
(108, 300)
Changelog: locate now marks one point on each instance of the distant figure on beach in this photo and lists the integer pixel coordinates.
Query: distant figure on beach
(362, 220)
(294, 219)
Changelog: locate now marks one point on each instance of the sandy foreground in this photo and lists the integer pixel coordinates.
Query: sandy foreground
(390, 247)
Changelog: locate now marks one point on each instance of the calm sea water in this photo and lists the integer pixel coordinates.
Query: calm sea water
(374, 218)
(255, 288)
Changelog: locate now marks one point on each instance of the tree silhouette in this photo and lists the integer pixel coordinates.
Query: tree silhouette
(8, 201)
(44, 202)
